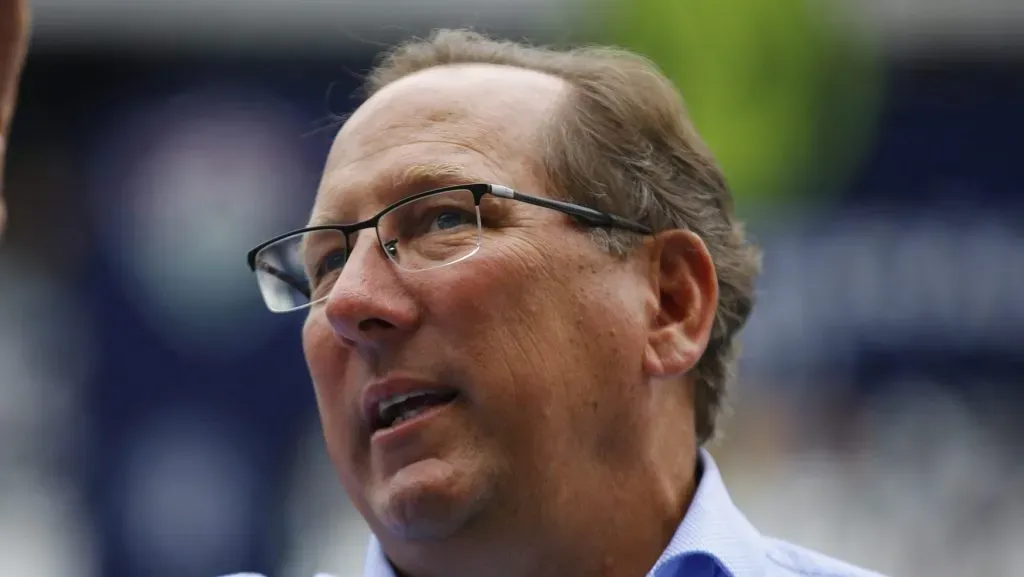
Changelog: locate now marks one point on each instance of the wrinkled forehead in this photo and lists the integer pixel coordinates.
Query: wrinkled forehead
(439, 127)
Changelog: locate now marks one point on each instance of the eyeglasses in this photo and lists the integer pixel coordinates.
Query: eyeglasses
(421, 232)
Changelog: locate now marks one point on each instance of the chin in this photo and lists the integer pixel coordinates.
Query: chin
(429, 500)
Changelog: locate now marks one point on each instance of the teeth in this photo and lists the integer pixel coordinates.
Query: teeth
(392, 401)
(408, 415)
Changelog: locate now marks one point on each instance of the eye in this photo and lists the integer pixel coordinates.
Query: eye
(331, 262)
(449, 218)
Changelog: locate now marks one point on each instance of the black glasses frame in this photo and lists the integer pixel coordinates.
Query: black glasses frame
(583, 214)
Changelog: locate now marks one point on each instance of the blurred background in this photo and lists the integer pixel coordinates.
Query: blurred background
(156, 420)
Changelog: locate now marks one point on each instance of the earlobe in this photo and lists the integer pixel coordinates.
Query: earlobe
(687, 289)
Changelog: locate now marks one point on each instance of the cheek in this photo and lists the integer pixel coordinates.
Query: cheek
(326, 361)
(558, 344)
(320, 351)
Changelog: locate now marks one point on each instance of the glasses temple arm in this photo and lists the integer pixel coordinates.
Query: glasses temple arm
(585, 214)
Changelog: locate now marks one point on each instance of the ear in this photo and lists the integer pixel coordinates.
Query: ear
(686, 286)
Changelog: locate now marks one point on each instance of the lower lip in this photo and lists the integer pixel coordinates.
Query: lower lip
(409, 426)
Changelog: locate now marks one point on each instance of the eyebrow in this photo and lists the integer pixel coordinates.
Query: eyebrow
(414, 179)
(421, 177)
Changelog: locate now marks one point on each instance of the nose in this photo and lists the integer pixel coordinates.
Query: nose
(368, 305)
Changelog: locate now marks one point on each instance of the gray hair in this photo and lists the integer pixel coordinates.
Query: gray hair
(623, 143)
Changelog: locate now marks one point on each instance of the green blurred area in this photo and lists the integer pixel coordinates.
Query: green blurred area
(785, 98)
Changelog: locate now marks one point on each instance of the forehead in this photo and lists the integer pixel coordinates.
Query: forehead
(440, 126)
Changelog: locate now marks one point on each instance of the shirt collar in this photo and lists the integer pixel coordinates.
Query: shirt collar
(714, 540)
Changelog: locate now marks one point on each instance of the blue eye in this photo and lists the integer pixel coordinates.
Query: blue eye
(333, 261)
(447, 220)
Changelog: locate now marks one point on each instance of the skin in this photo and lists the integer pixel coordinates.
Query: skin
(13, 45)
(571, 450)
(14, 27)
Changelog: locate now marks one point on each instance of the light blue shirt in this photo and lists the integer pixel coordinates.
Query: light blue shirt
(714, 540)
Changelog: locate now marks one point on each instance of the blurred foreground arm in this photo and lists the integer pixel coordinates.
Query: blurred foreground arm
(13, 45)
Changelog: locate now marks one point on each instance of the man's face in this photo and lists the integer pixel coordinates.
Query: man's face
(540, 333)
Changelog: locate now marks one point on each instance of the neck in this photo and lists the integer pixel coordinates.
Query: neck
(627, 530)
(627, 522)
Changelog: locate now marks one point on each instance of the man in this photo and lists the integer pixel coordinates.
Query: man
(13, 43)
(521, 346)
(522, 343)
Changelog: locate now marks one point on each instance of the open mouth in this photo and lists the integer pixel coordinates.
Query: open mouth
(398, 409)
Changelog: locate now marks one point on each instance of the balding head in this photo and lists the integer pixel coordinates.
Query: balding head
(483, 369)
(622, 143)
(494, 111)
